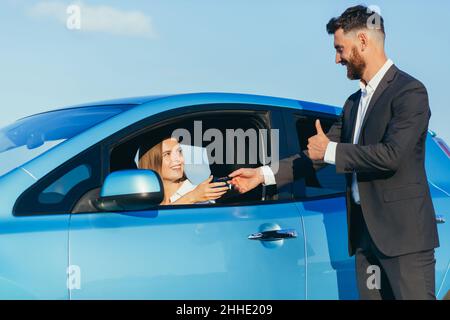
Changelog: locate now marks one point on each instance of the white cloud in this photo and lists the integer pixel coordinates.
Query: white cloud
(99, 18)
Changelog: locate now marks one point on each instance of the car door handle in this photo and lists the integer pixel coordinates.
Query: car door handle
(440, 218)
(273, 235)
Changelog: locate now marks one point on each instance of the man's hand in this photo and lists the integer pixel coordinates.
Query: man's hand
(246, 179)
(317, 145)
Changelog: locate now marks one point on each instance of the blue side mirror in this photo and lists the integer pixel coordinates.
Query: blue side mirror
(130, 190)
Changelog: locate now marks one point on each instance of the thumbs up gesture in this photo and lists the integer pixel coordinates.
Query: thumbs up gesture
(317, 145)
(319, 128)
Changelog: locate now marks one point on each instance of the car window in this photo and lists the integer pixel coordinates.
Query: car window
(56, 192)
(30, 137)
(310, 183)
(59, 191)
(240, 145)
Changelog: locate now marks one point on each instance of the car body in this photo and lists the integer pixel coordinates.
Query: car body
(52, 247)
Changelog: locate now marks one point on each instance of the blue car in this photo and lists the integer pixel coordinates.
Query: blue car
(79, 220)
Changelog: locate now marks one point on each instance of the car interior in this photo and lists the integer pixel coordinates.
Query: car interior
(124, 155)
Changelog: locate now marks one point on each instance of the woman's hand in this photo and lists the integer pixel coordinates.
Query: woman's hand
(207, 190)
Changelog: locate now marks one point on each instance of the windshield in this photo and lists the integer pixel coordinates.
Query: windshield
(29, 137)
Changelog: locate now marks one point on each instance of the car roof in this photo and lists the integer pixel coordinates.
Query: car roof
(232, 97)
(129, 100)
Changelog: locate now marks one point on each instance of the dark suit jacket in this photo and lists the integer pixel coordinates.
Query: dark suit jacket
(389, 162)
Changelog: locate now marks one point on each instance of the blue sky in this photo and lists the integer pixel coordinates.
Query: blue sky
(268, 47)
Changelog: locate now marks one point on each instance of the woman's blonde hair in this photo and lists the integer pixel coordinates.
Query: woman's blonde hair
(152, 158)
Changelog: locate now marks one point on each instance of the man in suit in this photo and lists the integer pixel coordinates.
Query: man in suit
(379, 144)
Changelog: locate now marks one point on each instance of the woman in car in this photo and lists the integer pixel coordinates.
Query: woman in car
(166, 158)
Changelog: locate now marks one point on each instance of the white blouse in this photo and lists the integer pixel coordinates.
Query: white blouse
(185, 188)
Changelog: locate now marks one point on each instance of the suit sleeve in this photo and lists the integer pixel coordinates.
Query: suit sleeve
(410, 116)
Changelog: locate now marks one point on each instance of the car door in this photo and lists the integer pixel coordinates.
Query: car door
(438, 174)
(34, 234)
(35, 199)
(321, 201)
(189, 252)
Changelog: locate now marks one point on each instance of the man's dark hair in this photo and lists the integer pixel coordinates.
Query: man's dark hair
(355, 18)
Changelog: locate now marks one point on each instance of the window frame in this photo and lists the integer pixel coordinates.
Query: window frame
(290, 118)
(272, 114)
(100, 154)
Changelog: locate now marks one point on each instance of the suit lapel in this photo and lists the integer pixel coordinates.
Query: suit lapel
(384, 83)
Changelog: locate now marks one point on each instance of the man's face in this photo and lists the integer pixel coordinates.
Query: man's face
(348, 55)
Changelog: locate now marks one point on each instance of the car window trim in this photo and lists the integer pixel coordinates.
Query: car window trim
(224, 205)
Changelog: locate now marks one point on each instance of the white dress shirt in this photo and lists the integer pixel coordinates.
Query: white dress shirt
(367, 92)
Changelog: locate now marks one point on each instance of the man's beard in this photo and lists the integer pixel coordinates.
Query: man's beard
(355, 65)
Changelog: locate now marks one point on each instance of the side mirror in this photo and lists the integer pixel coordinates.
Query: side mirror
(130, 190)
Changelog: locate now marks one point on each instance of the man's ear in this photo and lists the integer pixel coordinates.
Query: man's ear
(363, 40)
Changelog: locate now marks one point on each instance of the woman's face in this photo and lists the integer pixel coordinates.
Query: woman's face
(172, 167)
